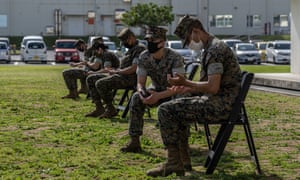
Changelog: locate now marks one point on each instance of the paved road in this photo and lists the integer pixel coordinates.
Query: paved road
(276, 90)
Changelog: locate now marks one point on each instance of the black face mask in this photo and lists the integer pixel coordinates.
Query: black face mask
(152, 47)
(127, 45)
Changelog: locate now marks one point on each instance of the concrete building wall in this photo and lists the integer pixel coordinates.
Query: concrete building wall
(23, 17)
(295, 37)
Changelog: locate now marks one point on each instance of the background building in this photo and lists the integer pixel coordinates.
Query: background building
(101, 17)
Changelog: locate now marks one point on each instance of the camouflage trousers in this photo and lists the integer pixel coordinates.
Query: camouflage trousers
(137, 110)
(72, 75)
(101, 86)
(175, 116)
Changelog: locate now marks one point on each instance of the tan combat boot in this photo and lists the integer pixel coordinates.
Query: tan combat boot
(185, 154)
(173, 164)
(134, 145)
(73, 94)
(98, 111)
(109, 112)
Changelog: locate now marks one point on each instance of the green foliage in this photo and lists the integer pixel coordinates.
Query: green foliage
(150, 14)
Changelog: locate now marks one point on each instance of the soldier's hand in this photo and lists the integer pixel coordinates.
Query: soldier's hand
(153, 98)
(177, 80)
(179, 89)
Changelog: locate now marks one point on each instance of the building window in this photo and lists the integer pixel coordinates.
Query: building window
(254, 20)
(281, 20)
(221, 21)
(3, 20)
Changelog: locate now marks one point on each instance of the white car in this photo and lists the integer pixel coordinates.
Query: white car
(231, 42)
(278, 52)
(25, 40)
(4, 52)
(247, 53)
(177, 46)
(35, 51)
(92, 38)
(6, 40)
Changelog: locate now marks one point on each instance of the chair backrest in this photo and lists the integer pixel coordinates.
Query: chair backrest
(191, 69)
(239, 102)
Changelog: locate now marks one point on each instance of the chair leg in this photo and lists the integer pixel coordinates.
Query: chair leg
(208, 136)
(213, 144)
(124, 114)
(218, 148)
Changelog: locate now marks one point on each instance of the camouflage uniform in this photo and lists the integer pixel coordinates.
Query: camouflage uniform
(106, 84)
(71, 75)
(174, 115)
(157, 71)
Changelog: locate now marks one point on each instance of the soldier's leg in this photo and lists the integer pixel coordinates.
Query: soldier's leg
(91, 81)
(184, 148)
(136, 124)
(70, 78)
(174, 117)
(83, 86)
(105, 87)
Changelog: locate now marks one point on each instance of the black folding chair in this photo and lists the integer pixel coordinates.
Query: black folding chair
(191, 68)
(122, 106)
(238, 116)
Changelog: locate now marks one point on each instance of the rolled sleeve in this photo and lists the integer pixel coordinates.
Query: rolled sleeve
(107, 64)
(141, 71)
(135, 60)
(215, 68)
(179, 70)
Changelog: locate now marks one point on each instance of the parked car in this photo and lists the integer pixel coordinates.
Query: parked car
(261, 47)
(113, 48)
(231, 42)
(24, 42)
(247, 53)
(35, 51)
(177, 46)
(4, 52)
(65, 51)
(92, 38)
(5, 40)
(278, 52)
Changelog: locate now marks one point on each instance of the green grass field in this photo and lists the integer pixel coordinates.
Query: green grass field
(45, 137)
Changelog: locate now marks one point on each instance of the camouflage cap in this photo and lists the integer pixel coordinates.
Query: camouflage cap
(79, 42)
(156, 33)
(124, 34)
(183, 28)
(98, 39)
(98, 45)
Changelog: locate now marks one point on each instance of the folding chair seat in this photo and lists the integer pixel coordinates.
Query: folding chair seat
(238, 116)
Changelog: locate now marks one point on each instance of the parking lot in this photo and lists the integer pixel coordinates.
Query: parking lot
(16, 59)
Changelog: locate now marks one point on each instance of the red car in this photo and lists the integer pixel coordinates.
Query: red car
(65, 51)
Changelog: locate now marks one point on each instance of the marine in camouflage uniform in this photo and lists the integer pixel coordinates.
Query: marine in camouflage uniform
(157, 63)
(102, 86)
(79, 70)
(219, 66)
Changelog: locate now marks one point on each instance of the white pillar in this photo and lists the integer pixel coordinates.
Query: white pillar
(295, 37)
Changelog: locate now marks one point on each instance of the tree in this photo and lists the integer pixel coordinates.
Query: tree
(147, 15)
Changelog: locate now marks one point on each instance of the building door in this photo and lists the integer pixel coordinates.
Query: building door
(74, 26)
(108, 26)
